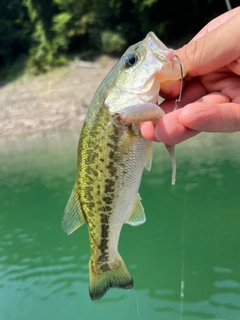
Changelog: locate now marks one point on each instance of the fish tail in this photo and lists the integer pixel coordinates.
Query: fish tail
(116, 277)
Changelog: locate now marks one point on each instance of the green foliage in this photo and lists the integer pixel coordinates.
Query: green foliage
(14, 30)
(50, 29)
(60, 22)
(112, 42)
(48, 41)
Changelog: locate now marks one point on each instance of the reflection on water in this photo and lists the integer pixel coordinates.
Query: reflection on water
(191, 235)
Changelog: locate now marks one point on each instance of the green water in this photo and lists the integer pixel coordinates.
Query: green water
(185, 259)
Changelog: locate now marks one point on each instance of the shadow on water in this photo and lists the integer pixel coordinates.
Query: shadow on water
(184, 259)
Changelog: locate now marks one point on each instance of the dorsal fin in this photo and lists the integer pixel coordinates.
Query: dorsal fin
(137, 215)
(73, 216)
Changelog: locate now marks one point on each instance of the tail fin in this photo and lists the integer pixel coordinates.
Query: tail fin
(116, 277)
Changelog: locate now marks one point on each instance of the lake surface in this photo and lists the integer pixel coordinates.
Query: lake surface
(185, 259)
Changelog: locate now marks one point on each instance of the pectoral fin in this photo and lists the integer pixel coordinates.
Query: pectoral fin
(171, 151)
(137, 215)
(73, 216)
(148, 163)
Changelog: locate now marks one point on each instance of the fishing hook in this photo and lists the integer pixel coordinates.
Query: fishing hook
(181, 80)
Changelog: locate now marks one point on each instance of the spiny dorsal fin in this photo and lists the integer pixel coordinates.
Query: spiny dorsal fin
(73, 217)
(137, 215)
(148, 162)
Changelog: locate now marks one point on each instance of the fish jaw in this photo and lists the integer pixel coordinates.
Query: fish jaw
(162, 57)
(141, 82)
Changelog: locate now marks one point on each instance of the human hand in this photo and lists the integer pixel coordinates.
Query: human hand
(211, 94)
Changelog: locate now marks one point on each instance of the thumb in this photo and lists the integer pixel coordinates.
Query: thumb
(215, 46)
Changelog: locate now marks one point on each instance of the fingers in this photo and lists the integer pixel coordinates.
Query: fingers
(171, 131)
(235, 66)
(213, 48)
(192, 91)
(168, 129)
(148, 130)
(216, 22)
(211, 117)
(212, 113)
(217, 48)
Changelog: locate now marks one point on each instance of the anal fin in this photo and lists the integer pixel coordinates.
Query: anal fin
(137, 215)
(73, 216)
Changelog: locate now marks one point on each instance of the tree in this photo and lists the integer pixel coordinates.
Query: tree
(14, 32)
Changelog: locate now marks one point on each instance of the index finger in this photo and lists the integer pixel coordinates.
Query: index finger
(213, 24)
(215, 45)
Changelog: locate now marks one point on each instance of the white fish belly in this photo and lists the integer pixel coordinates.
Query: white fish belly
(126, 191)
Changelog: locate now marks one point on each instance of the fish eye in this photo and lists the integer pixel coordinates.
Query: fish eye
(130, 60)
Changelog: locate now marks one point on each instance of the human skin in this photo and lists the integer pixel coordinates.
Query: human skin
(211, 94)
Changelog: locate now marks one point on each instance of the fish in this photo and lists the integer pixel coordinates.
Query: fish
(112, 154)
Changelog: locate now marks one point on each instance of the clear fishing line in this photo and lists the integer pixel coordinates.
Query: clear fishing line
(137, 304)
(182, 274)
(184, 217)
(182, 267)
(228, 4)
(182, 262)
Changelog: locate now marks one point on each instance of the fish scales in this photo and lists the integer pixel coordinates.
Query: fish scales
(111, 156)
(106, 184)
(106, 168)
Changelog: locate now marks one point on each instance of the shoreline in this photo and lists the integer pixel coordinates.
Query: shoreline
(56, 100)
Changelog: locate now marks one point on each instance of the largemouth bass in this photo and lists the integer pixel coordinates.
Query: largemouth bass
(112, 154)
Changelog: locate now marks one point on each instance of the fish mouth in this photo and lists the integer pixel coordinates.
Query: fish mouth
(149, 92)
(163, 58)
(145, 88)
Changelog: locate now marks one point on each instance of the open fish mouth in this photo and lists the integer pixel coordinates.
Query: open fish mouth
(143, 89)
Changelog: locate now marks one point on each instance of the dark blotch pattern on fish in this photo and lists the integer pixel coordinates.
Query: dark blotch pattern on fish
(99, 164)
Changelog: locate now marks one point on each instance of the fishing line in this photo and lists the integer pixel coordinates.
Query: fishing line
(137, 303)
(182, 267)
(182, 273)
(184, 217)
(228, 4)
(171, 148)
